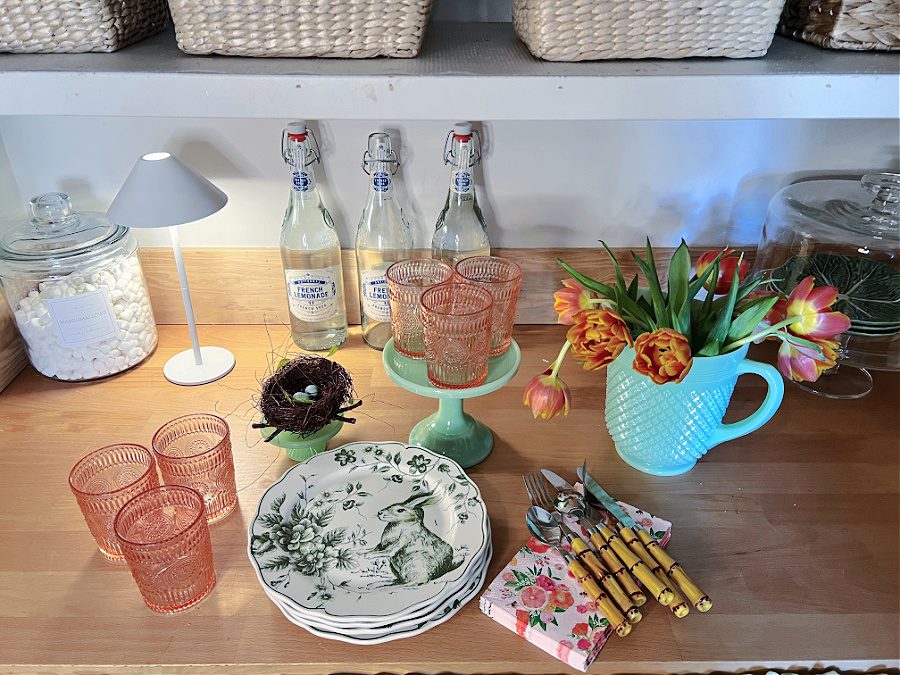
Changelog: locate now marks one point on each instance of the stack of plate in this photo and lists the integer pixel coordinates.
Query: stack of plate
(371, 542)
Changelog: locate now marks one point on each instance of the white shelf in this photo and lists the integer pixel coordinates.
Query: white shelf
(475, 71)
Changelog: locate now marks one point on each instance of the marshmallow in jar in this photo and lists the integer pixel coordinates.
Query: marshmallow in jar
(75, 287)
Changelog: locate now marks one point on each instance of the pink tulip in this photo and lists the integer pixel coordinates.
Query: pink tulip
(570, 300)
(547, 395)
(801, 363)
(813, 305)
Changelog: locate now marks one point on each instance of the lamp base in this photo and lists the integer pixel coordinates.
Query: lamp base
(181, 368)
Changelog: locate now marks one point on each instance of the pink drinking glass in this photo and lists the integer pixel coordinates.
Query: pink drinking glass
(406, 281)
(165, 539)
(457, 322)
(195, 451)
(503, 278)
(103, 480)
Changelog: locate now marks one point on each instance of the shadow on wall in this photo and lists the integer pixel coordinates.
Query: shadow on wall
(12, 202)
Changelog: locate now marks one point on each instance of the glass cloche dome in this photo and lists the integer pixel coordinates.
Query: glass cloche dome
(846, 234)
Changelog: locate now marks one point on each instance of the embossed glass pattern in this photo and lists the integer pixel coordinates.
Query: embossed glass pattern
(502, 277)
(103, 481)
(195, 451)
(407, 280)
(165, 539)
(457, 322)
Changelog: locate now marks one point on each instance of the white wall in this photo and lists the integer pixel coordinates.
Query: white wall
(543, 184)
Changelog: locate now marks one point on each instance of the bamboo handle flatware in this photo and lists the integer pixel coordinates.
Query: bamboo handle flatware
(679, 606)
(587, 558)
(674, 570)
(618, 570)
(658, 589)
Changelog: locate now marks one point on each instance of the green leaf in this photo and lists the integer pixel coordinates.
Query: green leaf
(586, 281)
(659, 304)
(711, 348)
(679, 276)
(278, 563)
(723, 317)
(282, 364)
(633, 288)
(695, 286)
(749, 318)
(620, 279)
(333, 350)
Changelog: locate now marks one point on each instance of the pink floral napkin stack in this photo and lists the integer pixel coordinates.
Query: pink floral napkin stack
(536, 596)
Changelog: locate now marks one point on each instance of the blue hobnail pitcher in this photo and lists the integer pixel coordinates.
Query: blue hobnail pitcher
(663, 429)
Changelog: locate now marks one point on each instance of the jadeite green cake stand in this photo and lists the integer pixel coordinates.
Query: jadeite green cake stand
(450, 431)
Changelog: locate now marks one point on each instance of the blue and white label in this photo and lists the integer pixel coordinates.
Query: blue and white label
(375, 295)
(312, 294)
(462, 182)
(381, 181)
(301, 181)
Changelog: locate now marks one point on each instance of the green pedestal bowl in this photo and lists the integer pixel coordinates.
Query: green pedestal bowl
(300, 448)
(450, 431)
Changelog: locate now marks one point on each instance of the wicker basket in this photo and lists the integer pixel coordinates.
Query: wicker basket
(334, 28)
(584, 30)
(844, 24)
(66, 26)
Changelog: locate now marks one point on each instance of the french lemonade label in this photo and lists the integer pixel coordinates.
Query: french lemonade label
(301, 181)
(381, 181)
(375, 295)
(312, 294)
(461, 182)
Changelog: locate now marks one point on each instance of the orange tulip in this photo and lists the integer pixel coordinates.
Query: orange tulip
(547, 395)
(727, 265)
(663, 355)
(598, 337)
(570, 300)
(813, 306)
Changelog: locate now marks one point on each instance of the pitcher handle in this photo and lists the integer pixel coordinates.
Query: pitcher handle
(774, 395)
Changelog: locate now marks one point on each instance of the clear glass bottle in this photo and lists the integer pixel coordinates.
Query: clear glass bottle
(310, 251)
(460, 231)
(383, 238)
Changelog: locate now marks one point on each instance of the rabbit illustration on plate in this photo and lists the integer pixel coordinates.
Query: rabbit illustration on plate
(416, 554)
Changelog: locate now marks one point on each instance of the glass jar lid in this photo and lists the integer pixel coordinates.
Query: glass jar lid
(57, 231)
(870, 206)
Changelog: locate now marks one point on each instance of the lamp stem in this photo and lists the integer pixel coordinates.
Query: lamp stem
(185, 294)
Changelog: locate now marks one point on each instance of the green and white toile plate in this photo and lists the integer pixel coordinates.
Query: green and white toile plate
(368, 532)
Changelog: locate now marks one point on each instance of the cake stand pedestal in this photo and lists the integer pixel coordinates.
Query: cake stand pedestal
(450, 431)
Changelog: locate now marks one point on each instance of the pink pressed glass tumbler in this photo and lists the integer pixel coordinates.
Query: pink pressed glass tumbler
(195, 451)
(165, 539)
(103, 480)
(503, 278)
(457, 321)
(406, 281)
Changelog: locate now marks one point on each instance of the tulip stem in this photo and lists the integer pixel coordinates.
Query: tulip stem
(559, 359)
(771, 330)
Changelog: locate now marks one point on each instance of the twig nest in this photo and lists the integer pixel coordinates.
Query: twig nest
(304, 395)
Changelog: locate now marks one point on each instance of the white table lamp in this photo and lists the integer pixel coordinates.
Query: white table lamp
(160, 191)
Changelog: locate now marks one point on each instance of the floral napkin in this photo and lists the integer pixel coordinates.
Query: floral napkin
(536, 596)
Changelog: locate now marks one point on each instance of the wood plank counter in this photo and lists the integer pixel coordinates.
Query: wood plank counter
(792, 530)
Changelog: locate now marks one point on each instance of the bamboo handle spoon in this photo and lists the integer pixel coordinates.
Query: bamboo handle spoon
(679, 606)
(698, 598)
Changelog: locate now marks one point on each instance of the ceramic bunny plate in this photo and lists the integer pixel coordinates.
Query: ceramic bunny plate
(369, 530)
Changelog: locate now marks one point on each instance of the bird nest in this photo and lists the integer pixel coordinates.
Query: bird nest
(280, 409)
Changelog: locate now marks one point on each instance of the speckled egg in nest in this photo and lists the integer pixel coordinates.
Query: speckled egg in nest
(304, 395)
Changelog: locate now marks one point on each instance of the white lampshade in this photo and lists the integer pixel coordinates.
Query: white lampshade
(160, 191)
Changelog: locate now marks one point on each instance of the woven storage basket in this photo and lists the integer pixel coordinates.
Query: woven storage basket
(64, 26)
(844, 24)
(584, 30)
(335, 28)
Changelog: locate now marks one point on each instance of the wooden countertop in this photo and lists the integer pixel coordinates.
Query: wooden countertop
(792, 530)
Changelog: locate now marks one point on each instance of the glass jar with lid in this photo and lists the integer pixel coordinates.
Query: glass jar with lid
(845, 234)
(75, 286)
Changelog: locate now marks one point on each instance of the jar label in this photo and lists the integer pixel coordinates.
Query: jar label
(312, 294)
(375, 295)
(461, 182)
(83, 319)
